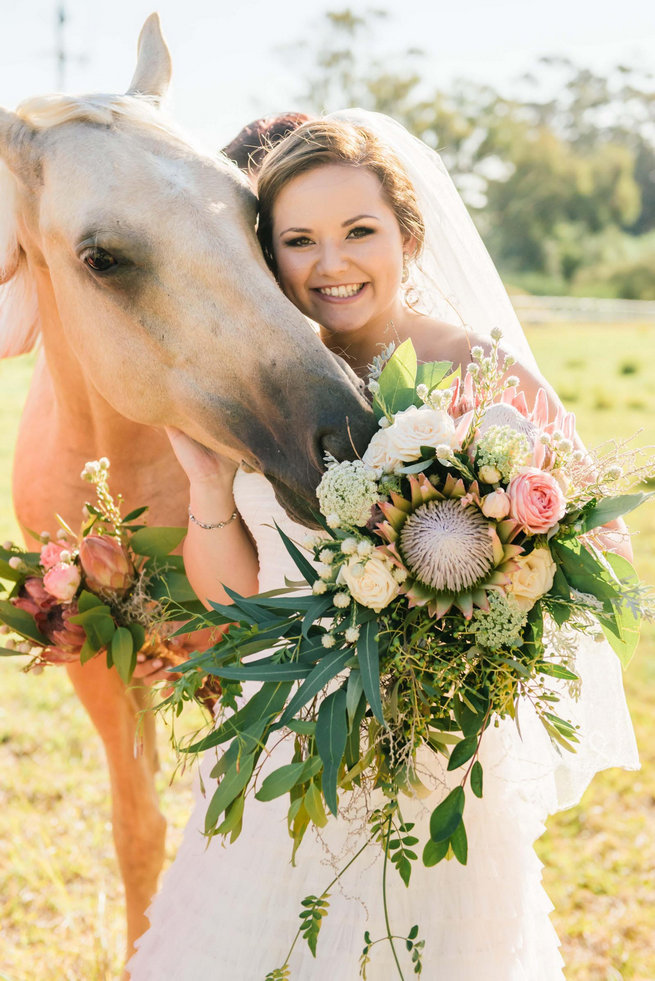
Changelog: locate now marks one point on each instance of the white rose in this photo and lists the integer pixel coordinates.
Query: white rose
(379, 454)
(416, 427)
(496, 505)
(533, 578)
(372, 586)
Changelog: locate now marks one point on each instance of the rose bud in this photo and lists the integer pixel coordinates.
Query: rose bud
(496, 505)
(62, 581)
(105, 564)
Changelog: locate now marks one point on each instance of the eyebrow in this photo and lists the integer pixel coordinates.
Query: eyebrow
(344, 224)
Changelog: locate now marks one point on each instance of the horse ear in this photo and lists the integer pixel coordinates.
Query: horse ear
(19, 312)
(153, 67)
(17, 144)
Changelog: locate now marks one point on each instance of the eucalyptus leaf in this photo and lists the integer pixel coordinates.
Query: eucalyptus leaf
(459, 843)
(476, 778)
(446, 818)
(229, 788)
(331, 734)
(282, 780)
(323, 673)
(462, 752)
(304, 565)
(265, 704)
(368, 656)
(434, 852)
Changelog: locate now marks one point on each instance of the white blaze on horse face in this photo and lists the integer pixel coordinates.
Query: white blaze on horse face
(185, 324)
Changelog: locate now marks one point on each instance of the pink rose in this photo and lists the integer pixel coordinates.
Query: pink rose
(496, 505)
(536, 500)
(62, 581)
(50, 554)
(106, 564)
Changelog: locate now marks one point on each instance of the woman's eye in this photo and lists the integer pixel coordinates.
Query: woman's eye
(98, 259)
(360, 231)
(298, 242)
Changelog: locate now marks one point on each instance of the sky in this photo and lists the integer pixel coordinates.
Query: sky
(227, 61)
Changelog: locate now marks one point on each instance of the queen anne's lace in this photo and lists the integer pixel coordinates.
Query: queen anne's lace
(349, 491)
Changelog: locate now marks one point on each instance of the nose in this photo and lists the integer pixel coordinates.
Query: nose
(331, 260)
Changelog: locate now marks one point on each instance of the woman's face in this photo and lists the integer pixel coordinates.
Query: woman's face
(339, 248)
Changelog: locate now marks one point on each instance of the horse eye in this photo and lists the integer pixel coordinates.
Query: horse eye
(98, 259)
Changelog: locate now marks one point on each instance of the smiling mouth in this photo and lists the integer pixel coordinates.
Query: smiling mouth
(342, 292)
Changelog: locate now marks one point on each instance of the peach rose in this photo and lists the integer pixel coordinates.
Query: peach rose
(536, 500)
(62, 581)
(533, 578)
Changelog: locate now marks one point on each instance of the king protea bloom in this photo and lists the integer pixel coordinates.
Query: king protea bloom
(106, 565)
(453, 553)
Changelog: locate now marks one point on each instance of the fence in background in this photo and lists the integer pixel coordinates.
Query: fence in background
(550, 309)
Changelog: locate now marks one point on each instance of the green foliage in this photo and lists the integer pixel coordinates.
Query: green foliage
(315, 908)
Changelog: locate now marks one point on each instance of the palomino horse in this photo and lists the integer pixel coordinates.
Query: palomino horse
(134, 257)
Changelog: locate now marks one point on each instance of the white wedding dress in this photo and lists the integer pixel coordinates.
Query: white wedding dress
(230, 912)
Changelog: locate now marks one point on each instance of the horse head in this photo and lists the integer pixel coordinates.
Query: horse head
(135, 255)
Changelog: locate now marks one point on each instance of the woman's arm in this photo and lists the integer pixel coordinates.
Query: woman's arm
(219, 556)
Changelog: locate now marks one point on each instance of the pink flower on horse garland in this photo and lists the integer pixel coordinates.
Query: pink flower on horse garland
(102, 590)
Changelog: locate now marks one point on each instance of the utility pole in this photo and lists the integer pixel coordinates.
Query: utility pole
(60, 49)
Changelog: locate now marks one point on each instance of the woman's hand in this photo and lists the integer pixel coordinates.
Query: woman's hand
(199, 463)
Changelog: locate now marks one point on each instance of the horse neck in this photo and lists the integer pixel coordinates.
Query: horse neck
(67, 422)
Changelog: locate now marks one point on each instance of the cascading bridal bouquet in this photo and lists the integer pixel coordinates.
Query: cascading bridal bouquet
(457, 557)
(104, 589)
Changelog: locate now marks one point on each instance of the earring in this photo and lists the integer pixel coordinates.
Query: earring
(405, 272)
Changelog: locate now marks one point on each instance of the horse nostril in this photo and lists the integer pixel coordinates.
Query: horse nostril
(338, 444)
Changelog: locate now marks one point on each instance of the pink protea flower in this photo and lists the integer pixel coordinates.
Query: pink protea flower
(106, 564)
(33, 598)
(56, 625)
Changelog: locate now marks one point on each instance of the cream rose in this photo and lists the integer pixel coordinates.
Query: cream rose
(416, 427)
(379, 454)
(370, 583)
(533, 578)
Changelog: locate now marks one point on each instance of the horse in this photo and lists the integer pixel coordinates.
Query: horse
(130, 254)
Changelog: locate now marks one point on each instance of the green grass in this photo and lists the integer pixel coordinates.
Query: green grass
(60, 893)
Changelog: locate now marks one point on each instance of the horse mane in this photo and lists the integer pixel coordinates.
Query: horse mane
(19, 314)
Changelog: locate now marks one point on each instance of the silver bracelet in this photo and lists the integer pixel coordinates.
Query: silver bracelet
(219, 524)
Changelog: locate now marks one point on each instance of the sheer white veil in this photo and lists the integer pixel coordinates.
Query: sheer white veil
(455, 277)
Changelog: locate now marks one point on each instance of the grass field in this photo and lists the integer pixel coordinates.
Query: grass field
(60, 894)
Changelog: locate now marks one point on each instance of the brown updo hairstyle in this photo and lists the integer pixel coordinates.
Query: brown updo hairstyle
(326, 141)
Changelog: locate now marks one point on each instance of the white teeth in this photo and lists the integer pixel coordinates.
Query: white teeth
(349, 290)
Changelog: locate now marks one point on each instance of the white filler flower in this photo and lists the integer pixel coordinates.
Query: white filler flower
(348, 490)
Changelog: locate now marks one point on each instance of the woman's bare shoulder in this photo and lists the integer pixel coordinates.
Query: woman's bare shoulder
(437, 340)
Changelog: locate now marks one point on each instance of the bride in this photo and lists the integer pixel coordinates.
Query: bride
(368, 237)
